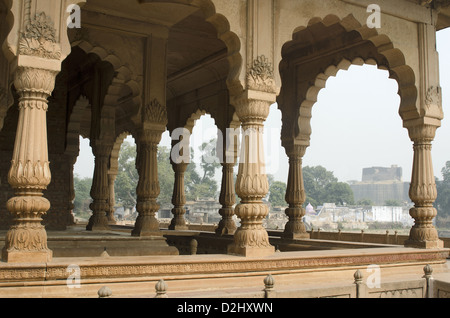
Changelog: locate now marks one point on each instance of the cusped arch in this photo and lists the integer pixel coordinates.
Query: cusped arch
(114, 158)
(80, 112)
(123, 77)
(364, 45)
(313, 91)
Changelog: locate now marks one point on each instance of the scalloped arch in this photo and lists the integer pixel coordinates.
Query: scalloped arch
(124, 74)
(387, 58)
(114, 158)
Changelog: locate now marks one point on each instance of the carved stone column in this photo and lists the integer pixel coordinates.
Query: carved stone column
(70, 217)
(112, 199)
(251, 238)
(29, 175)
(100, 189)
(178, 198)
(154, 121)
(295, 194)
(423, 190)
(148, 186)
(227, 200)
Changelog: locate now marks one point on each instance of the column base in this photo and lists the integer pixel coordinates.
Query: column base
(26, 256)
(178, 223)
(97, 222)
(249, 251)
(226, 227)
(424, 244)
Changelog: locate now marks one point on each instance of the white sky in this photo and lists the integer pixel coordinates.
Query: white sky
(355, 124)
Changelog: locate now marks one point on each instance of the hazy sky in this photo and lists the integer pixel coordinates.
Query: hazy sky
(355, 124)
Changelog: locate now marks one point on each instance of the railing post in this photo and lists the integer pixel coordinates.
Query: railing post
(161, 289)
(358, 281)
(269, 283)
(428, 270)
(104, 292)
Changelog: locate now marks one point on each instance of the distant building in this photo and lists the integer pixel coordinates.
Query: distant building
(380, 184)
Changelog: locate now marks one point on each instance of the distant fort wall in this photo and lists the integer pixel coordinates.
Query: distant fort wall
(380, 184)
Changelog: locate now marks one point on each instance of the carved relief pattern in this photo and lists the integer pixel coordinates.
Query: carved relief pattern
(154, 112)
(39, 38)
(260, 75)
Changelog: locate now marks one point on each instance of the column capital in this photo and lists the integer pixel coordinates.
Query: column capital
(424, 132)
(253, 106)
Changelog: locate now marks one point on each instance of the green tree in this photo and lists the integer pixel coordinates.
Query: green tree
(442, 202)
(195, 185)
(165, 176)
(339, 193)
(277, 191)
(321, 186)
(127, 177)
(82, 200)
